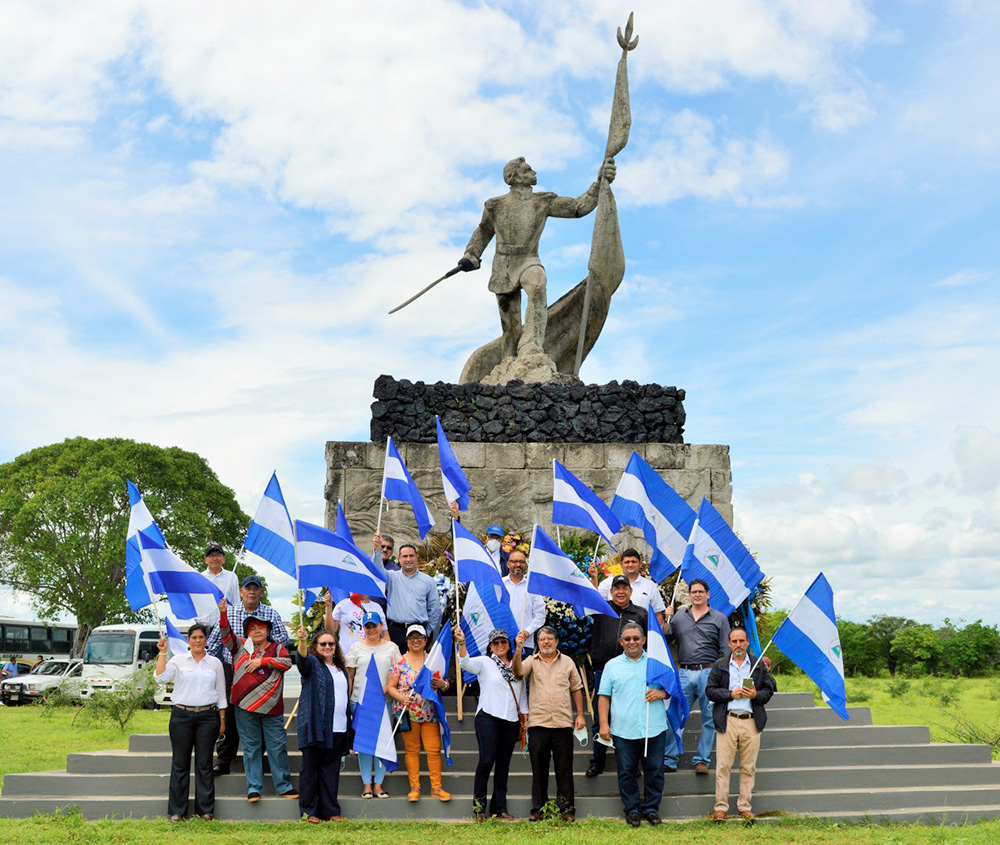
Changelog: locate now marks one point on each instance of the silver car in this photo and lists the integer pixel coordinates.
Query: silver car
(50, 673)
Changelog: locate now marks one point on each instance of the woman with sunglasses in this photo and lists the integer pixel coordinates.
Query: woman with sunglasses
(424, 727)
(323, 721)
(497, 721)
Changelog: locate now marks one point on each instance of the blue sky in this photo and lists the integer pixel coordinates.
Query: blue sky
(209, 209)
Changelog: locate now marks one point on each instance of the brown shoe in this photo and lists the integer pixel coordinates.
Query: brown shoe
(209, 817)
(719, 816)
(413, 796)
(441, 795)
(504, 817)
(701, 769)
(314, 820)
(568, 817)
(747, 816)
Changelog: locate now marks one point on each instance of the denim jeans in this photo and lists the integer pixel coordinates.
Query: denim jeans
(630, 758)
(694, 683)
(267, 731)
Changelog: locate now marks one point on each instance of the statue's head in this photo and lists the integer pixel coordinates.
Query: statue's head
(518, 172)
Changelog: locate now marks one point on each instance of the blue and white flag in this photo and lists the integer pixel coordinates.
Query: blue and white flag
(716, 555)
(176, 641)
(810, 638)
(554, 575)
(456, 485)
(661, 670)
(474, 563)
(189, 593)
(328, 560)
(398, 486)
(138, 591)
(436, 665)
(371, 722)
(270, 535)
(342, 529)
(574, 503)
(481, 613)
(645, 500)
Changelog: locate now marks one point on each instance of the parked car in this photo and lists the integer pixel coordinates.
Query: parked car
(45, 676)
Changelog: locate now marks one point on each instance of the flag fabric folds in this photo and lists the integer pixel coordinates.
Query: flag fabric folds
(716, 555)
(342, 529)
(481, 613)
(328, 560)
(175, 639)
(270, 535)
(646, 501)
(809, 637)
(398, 486)
(661, 670)
(138, 591)
(456, 485)
(371, 723)
(189, 593)
(436, 665)
(473, 563)
(574, 503)
(554, 575)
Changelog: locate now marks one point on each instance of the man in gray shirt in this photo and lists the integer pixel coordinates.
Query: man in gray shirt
(413, 596)
(702, 637)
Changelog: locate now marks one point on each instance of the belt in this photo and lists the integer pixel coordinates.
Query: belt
(196, 709)
(696, 666)
(735, 715)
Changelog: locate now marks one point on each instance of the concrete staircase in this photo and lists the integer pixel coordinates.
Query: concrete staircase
(811, 763)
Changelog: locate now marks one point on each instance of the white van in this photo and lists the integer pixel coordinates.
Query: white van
(114, 652)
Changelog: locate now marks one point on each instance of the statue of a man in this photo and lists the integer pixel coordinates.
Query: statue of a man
(517, 220)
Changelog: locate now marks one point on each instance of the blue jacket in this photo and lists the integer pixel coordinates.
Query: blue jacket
(316, 703)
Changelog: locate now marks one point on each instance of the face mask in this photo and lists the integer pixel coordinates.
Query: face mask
(582, 736)
(493, 544)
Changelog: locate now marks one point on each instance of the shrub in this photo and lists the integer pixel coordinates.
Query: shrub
(898, 687)
(118, 705)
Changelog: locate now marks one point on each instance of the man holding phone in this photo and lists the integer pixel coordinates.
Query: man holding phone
(739, 696)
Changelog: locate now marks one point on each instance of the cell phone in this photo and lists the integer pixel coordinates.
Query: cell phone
(748, 683)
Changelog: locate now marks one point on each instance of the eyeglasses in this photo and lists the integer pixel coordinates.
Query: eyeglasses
(386, 548)
(325, 645)
(501, 642)
(631, 639)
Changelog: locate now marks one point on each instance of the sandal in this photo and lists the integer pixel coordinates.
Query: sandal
(381, 794)
(367, 794)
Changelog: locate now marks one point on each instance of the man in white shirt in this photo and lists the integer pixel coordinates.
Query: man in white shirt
(527, 618)
(645, 591)
(224, 579)
(345, 619)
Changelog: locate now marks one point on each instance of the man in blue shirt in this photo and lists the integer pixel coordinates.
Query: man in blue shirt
(633, 715)
(413, 596)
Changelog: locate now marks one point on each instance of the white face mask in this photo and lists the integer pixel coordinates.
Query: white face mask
(493, 544)
(582, 735)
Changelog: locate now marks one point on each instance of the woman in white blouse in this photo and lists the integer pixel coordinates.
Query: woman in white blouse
(497, 721)
(197, 719)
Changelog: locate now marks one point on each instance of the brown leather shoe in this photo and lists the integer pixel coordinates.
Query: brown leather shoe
(701, 769)
(718, 815)
(747, 816)
(314, 820)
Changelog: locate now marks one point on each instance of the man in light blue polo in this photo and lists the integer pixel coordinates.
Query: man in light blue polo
(633, 715)
(413, 596)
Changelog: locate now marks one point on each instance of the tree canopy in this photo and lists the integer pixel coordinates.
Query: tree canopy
(64, 515)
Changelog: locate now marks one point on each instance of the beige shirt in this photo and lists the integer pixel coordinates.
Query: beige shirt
(550, 703)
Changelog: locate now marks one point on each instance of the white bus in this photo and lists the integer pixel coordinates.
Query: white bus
(115, 651)
(24, 641)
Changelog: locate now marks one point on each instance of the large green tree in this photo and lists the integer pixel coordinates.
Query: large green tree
(64, 515)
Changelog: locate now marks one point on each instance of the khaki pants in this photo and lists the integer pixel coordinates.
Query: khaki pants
(741, 735)
(430, 733)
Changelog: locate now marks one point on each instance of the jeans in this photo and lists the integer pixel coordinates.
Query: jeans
(372, 769)
(630, 758)
(555, 744)
(496, 738)
(694, 683)
(319, 780)
(197, 731)
(267, 731)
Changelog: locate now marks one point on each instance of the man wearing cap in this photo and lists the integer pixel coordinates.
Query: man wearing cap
(413, 596)
(645, 591)
(224, 579)
(605, 644)
(249, 604)
(527, 608)
(555, 684)
(494, 539)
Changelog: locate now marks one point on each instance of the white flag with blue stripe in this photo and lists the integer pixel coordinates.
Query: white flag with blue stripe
(574, 503)
(553, 574)
(661, 670)
(474, 563)
(328, 560)
(717, 556)
(371, 722)
(810, 638)
(456, 485)
(189, 593)
(436, 665)
(270, 535)
(398, 486)
(645, 500)
(138, 591)
(176, 641)
(482, 611)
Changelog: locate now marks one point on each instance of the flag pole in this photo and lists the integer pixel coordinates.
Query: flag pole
(763, 652)
(524, 604)
(597, 545)
(645, 744)
(381, 499)
(458, 624)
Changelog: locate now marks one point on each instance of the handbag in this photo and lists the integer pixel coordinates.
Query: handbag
(403, 723)
(522, 719)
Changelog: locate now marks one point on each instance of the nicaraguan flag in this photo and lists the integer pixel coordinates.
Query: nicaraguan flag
(716, 555)
(342, 529)
(436, 665)
(574, 503)
(138, 591)
(645, 500)
(661, 670)
(189, 593)
(328, 560)
(398, 486)
(176, 641)
(456, 485)
(474, 563)
(551, 573)
(481, 613)
(371, 722)
(810, 638)
(270, 535)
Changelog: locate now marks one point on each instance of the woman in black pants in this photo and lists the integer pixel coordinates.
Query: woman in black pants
(197, 718)
(497, 721)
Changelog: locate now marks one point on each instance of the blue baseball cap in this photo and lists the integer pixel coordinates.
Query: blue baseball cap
(252, 579)
(494, 530)
(371, 618)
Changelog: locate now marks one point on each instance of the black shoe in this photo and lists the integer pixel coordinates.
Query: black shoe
(652, 817)
(220, 769)
(634, 819)
(593, 771)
